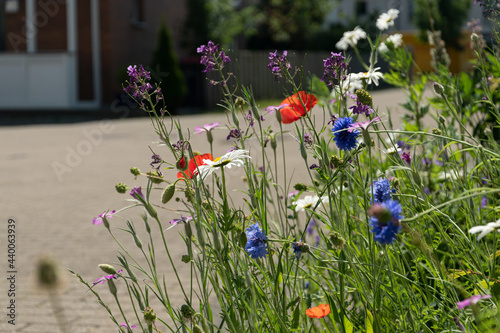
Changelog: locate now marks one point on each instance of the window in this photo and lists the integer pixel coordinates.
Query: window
(361, 8)
(11, 6)
(138, 13)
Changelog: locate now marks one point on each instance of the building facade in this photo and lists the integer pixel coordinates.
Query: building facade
(71, 54)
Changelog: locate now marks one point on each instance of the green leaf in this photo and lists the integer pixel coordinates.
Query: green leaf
(369, 322)
(348, 326)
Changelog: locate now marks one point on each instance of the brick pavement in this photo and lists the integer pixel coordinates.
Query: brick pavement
(53, 214)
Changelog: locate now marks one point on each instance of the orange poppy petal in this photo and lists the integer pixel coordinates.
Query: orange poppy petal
(319, 311)
(295, 106)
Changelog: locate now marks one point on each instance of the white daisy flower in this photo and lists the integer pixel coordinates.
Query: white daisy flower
(350, 38)
(386, 20)
(232, 158)
(309, 201)
(485, 229)
(393, 150)
(396, 40)
(372, 75)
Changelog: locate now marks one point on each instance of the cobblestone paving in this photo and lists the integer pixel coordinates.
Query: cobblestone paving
(53, 211)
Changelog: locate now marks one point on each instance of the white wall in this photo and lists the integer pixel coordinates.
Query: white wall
(37, 81)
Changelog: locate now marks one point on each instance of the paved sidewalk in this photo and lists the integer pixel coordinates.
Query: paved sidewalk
(55, 179)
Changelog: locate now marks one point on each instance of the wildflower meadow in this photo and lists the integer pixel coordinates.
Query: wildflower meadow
(377, 229)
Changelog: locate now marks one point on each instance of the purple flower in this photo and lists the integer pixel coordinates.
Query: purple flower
(335, 69)
(364, 125)
(296, 250)
(137, 193)
(99, 219)
(360, 108)
(128, 326)
(178, 146)
(308, 140)
(210, 56)
(484, 201)
(205, 128)
(183, 219)
(278, 63)
(333, 120)
(310, 227)
(105, 278)
(406, 157)
(426, 161)
(473, 300)
(156, 159)
(313, 166)
(271, 109)
(234, 134)
(138, 86)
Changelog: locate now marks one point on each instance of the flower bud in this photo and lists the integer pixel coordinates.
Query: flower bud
(186, 259)
(474, 37)
(108, 269)
(168, 193)
(300, 187)
(364, 97)
(112, 287)
(151, 210)
(336, 240)
(155, 177)
(278, 115)
(47, 272)
(441, 119)
(135, 171)
(273, 142)
(187, 312)
(137, 241)
(121, 188)
(437, 131)
(149, 315)
(181, 163)
(239, 102)
(198, 329)
(335, 161)
(380, 212)
(438, 89)
(303, 151)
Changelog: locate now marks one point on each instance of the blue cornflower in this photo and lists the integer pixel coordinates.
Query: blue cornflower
(384, 221)
(381, 190)
(344, 139)
(296, 250)
(256, 242)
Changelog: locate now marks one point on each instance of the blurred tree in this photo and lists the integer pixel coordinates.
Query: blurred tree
(448, 16)
(195, 29)
(172, 84)
(287, 23)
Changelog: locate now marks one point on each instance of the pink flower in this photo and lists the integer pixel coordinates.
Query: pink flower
(364, 126)
(105, 278)
(472, 300)
(98, 220)
(271, 109)
(128, 326)
(205, 128)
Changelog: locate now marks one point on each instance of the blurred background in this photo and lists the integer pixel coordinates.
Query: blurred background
(67, 59)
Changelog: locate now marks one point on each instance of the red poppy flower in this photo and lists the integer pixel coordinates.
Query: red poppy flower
(194, 163)
(320, 311)
(293, 106)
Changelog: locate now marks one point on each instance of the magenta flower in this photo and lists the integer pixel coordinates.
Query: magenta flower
(137, 193)
(406, 157)
(105, 278)
(364, 126)
(183, 219)
(473, 300)
(206, 127)
(271, 109)
(98, 220)
(128, 326)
